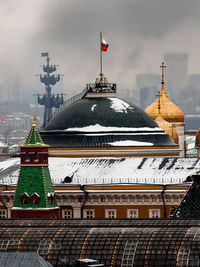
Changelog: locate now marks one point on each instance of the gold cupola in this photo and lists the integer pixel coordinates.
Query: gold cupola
(168, 110)
(164, 125)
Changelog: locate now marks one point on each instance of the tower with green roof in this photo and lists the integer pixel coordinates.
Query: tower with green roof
(34, 196)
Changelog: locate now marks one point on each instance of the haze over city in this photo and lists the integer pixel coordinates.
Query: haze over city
(139, 34)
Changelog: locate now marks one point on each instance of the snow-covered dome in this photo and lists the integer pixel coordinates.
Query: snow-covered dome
(99, 122)
(101, 114)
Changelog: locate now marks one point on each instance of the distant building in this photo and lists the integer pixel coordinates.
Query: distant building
(147, 85)
(194, 81)
(147, 95)
(177, 72)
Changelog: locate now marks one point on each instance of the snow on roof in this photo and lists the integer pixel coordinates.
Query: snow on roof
(110, 170)
(99, 128)
(130, 143)
(35, 194)
(119, 105)
(2, 144)
(93, 107)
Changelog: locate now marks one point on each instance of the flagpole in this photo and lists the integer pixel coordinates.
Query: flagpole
(101, 73)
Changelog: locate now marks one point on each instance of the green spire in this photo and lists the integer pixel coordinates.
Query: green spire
(34, 138)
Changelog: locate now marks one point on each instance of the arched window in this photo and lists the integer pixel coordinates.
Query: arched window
(27, 158)
(36, 156)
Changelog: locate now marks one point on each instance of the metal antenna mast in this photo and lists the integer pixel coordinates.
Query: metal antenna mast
(48, 100)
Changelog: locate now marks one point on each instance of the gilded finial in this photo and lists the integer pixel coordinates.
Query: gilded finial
(162, 67)
(158, 95)
(34, 120)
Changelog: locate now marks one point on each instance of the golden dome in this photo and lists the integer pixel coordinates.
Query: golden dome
(167, 128)
(164, 125)
(168, 110)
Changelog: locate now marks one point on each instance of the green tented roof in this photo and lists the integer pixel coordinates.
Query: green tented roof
(34, 138)
(34, 180)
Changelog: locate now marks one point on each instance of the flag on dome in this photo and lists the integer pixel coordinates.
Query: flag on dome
(104, 45)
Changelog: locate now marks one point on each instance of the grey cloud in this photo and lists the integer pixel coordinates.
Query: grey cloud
(69, 29)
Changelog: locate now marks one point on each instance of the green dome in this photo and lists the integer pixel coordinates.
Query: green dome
(101, 113)
(103, 122)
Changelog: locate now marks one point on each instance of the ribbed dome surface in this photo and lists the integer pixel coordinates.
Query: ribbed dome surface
(167, 128)
(101, 112)
(168, 110)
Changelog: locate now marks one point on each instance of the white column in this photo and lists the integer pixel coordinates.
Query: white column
(77, 212)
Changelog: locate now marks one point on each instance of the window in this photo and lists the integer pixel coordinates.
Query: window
(51, 198)
(154, 213)
(36, 156)
(132, 213)
(111, 214)
(67, 214)
(24, 198)
(27, 158)
(35, 198)
(89, 213)
(3, 214)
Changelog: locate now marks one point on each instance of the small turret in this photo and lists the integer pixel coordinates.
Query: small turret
(34, 196)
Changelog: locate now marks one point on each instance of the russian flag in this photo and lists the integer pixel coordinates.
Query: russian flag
(104, 45)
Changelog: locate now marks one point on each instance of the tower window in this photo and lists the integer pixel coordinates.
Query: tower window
(27, 158)
(36, 156)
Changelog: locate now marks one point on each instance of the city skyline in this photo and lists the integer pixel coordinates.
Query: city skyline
(139, 34)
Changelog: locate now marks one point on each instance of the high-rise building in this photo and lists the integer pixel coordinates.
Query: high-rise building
(194, 81)
(176, 72)
(147, 85)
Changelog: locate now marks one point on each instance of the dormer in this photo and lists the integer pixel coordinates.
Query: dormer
(25, 199)
(35, 199)
(51, 197)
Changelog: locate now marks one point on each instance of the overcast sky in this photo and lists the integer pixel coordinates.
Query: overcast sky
(139, 32)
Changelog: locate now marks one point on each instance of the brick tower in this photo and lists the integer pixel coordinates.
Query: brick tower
(34, 196)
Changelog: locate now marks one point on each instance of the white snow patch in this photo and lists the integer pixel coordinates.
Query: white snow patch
(35, 194)
(99, 128)
(130, 143)
(119, 105)
(50, 194)
(3, 144)
(93, 107)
